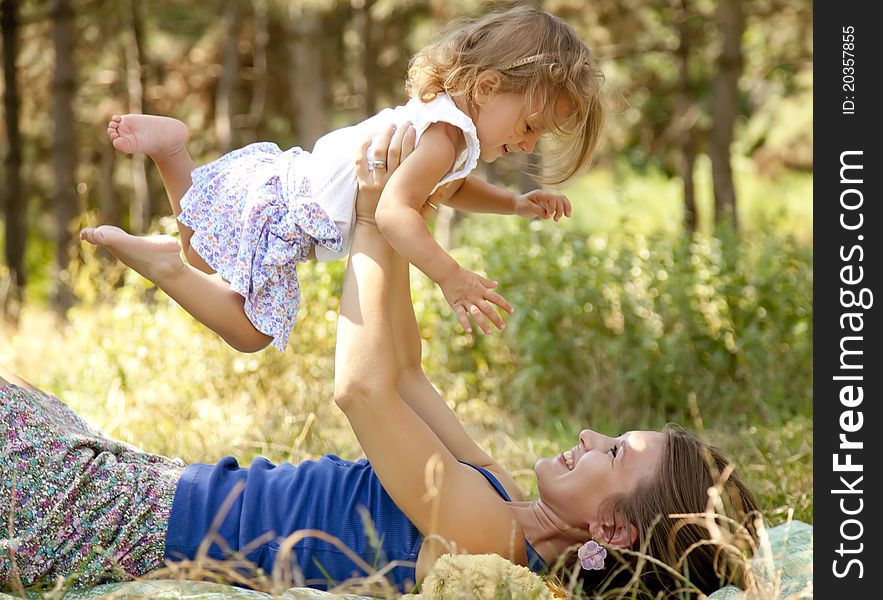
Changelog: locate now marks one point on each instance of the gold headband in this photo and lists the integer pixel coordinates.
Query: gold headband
(525, 61)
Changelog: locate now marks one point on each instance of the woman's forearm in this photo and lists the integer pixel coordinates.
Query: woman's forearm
(364, 321)
(411, 382)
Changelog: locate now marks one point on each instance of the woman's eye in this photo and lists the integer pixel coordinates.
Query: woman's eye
(614, 450)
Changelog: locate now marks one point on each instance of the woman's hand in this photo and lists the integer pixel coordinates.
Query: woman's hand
(392, 147)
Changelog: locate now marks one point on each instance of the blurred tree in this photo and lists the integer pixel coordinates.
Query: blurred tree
(363, 24)
(725, 109)
(687, 113)
(259, 60)
(14, 198)
(140, 206)
(64, 149)
(225, 99)
(306, 75)
(678, 87)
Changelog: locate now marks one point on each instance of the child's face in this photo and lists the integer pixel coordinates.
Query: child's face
(502, 127)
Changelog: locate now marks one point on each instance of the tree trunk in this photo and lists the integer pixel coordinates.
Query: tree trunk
(109, 204)
(14, 198)
(259, 89)
(139, 209)
(225, 99)
(305, 76)
(688, 166)
(725, 110)
(63, 149)
(367, 75)
(687, 136)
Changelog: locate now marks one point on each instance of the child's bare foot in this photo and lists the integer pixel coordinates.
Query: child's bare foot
(153, 135)
(156, 257)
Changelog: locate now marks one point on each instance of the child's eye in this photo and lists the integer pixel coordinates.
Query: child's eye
(528, 128)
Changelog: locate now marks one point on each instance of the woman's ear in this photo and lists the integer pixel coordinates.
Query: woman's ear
(618, 534)
(486, 85)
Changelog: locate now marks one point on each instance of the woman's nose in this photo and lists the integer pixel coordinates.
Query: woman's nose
(589, 439)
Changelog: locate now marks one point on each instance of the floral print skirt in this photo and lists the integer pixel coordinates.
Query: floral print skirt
(74, 503)
(254, 218)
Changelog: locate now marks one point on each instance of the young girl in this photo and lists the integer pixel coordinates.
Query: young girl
(492, 87)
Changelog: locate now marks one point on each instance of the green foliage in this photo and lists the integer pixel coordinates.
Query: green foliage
(644, 328)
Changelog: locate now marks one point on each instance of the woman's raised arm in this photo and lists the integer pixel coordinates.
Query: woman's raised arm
(419, 393)
(453, 501)
(411, 382)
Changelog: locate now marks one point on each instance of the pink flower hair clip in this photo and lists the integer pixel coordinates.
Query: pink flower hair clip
(591, 556)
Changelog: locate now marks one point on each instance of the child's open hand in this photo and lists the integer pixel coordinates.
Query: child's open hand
(469, 293)
(542, 204)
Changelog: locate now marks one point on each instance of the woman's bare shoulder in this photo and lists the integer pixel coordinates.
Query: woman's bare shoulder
(506, 480)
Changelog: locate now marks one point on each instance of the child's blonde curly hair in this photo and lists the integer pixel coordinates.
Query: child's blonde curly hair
(535, 54)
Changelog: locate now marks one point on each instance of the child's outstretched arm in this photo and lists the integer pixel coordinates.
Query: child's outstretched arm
(399, 221)
(477, 195)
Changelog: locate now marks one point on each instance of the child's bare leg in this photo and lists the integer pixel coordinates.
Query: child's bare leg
(209, 299)
(163, 139)
(10, 377)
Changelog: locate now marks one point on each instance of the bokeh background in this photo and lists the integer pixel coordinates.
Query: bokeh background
(681, 289)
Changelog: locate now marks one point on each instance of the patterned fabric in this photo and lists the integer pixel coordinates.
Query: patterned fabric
(78, 503)
(254, 219)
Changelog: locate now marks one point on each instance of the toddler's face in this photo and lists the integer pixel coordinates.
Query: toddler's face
(502, 126)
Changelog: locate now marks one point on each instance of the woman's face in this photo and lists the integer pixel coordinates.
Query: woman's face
(576, 483)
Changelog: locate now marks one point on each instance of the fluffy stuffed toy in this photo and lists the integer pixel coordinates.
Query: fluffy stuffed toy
(480, 577)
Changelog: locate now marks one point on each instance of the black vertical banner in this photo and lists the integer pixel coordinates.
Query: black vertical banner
(848, 48)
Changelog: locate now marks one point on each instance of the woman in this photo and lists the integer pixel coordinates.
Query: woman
(80, 505)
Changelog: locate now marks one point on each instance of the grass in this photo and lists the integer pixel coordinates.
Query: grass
(147, 374)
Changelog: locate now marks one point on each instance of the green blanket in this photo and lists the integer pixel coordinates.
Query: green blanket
(783, 568)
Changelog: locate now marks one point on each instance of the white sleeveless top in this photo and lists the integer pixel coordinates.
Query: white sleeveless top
(332, 174)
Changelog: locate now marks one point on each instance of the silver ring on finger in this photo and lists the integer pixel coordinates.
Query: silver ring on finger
(376, 164)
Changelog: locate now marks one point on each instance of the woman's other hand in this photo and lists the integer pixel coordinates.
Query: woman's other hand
(392, 147)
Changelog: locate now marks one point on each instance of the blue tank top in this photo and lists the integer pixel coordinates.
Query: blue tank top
(268, 503)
